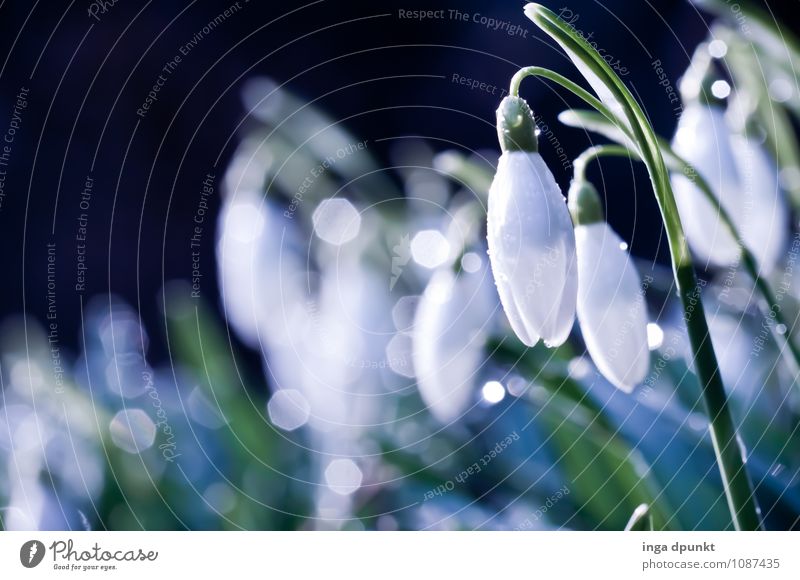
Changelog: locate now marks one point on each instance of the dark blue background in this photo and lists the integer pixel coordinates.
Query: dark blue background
(89, 82)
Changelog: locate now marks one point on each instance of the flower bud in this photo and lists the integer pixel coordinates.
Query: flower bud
(611, 307)
(530, 236)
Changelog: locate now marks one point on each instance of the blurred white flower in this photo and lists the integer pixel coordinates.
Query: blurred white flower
(703, 139)
(530, 235)
(745, 181)
(258, 270)
(449, 333)
(763, 218)
(611, 308)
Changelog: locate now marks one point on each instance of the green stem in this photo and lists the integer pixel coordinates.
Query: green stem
(592, 153)
(738, 488)
(575, 89)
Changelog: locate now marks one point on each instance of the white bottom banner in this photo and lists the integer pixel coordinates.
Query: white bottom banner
(390, 555)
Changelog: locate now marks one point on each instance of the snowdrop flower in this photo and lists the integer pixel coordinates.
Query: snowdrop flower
(450, 328)
(703, 139)
(530, 235)
(258, 270)
(744, 179)
(611, 307)
(763, 218)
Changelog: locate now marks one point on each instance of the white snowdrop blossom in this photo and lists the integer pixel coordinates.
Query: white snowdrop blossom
(450, 328)
(743, 178)
(763, 218)
(258, 268)
(703, 139)
(530, 235)
(611, 308)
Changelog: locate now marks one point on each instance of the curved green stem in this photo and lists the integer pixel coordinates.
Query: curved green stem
(736, 482)
(592, 153)
(575, 89)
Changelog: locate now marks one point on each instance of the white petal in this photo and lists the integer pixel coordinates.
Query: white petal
(532, 248)
(449, 333)
(763, 217)
(257, 267)
(528, 336)
(707, 234)
(703, 139)
(611, 307)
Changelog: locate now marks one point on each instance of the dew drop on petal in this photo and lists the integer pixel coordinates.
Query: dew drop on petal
(780, 329)
(336, 221)
(623, 246)
(430, 248)
(343, 476)
(493, 392)
(288, 409)
(655, 336)
(132, 430)
(742, 448)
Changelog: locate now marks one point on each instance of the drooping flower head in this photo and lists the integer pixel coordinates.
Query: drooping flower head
(530, 235)
(739, 172)
(611, 307)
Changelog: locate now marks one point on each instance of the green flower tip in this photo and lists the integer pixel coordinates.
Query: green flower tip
(584, 203)
(516, 127)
